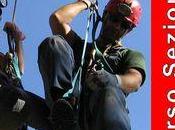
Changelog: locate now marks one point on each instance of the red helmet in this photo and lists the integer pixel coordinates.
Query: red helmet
(130, 9)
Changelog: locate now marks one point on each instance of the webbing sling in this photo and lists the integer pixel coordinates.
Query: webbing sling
(76, 83)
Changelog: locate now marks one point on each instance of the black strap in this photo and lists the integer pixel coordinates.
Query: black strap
(11, 42)
(14, 11)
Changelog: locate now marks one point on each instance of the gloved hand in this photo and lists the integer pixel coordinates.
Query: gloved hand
(89, 3)
(14, 30)
(101, 78)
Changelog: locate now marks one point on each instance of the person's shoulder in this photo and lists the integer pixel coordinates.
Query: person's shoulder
(52, 37)
(134, 52)
(135, 59)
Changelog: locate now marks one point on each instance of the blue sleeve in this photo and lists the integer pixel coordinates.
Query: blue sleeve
(16, 67)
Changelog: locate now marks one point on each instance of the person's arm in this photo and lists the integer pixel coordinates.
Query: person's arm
(19, 52)
(18, 38)
(60, 20)
(130, 81)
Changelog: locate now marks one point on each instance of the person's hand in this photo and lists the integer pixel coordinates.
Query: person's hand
(15, 32)
(93, 2)
(89, 3)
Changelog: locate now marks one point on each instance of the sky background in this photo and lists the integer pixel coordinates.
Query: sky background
(32, 17)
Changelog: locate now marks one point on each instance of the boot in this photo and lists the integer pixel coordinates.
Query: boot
(62, 116)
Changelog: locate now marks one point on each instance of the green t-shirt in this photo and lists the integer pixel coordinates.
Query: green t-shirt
(120, 59)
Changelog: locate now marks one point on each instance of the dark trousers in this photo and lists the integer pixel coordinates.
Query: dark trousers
(56, 64)
(106, 106)
(18, 107)
(107, 110)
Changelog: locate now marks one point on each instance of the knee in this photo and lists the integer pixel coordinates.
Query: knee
(15, 100)
(115, 114)
(112, 112)
(114, 98)
(117, 123)
(55, 46)
(56, 41)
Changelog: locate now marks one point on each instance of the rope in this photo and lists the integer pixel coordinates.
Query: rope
(76, 83)
(98, 52)
(11, 42)
(86, 38)
(14, 11)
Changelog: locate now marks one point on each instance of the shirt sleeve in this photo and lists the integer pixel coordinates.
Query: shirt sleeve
(135, 59)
